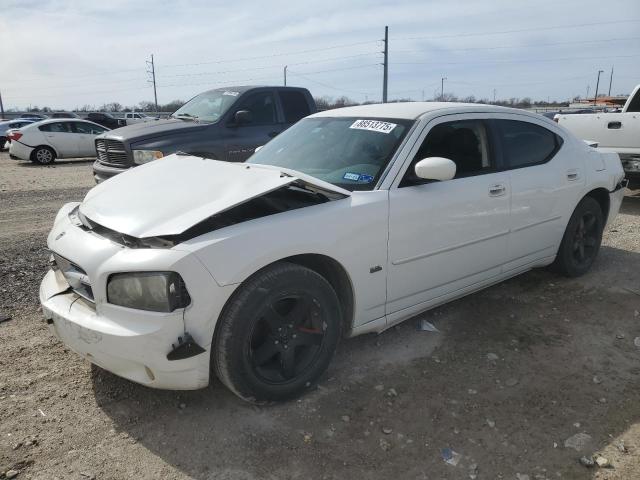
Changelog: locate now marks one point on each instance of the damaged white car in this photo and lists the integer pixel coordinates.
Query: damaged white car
(349, 222)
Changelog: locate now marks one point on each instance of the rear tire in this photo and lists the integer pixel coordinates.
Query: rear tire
(581, 240)
(277, 334)
(3, 141)
(43, 155)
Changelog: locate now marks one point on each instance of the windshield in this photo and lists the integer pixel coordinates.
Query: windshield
(346, 151)
(207, 107)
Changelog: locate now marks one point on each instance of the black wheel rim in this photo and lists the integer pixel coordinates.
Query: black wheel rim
(585, 239)
(287, 338)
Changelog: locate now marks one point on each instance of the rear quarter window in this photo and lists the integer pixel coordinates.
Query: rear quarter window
(525, 144)
(295, 106)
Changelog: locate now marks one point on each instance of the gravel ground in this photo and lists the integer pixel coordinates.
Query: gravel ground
(515, 373)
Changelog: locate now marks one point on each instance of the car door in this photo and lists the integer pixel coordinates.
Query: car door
(60, 136)
(262, 126)
(546, 178)
(85, 133)
(450, 235)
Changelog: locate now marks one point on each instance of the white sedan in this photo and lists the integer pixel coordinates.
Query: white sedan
(349, 222)
(47, 140)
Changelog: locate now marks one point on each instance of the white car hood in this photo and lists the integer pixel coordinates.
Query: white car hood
(170, 195)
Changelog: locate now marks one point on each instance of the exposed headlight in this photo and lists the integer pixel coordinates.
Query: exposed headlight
(152, 291)
(146, 156)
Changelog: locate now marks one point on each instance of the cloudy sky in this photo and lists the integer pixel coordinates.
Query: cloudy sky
(68, 53)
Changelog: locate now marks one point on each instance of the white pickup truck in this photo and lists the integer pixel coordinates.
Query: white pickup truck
(617, 131)
(136, 117)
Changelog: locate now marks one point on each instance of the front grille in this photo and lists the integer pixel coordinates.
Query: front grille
(111, 152)
(75, 276)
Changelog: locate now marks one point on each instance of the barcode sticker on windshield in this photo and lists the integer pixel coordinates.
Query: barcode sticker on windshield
(230, 93)
(373, 125)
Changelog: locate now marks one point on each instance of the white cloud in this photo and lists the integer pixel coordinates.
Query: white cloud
(70, 53)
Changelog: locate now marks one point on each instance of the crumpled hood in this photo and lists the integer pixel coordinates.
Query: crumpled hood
(170, 195)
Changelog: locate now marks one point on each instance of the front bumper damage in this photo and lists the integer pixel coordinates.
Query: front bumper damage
(134, 344)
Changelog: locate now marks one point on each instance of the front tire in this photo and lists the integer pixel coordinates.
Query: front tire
(43, 155)
(277, 334)
(581, 240)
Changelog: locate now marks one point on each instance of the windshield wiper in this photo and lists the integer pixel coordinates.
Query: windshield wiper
(186, 116)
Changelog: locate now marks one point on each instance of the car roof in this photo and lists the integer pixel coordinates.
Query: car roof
(412, 110)
(244, 88)
(62, 120)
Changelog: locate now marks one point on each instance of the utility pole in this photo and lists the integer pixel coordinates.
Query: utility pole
(1, 107)
(285, 75)
(153, 76)
(610, 81)
(442, 88)
(588, 88)
(494, 95)
(385, 64)
(423, 94)
(595, 97)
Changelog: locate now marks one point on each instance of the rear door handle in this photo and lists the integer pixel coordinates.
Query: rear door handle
(614, 125)
(572, 175)
(497, 190)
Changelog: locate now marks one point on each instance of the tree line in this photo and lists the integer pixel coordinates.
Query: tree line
(323, 103)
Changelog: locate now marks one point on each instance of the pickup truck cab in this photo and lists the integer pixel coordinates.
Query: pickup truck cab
(619, 132)
(137, 117)
(105, 119)
(223, 124)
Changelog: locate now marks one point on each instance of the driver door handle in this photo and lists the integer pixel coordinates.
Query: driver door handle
(497, 190)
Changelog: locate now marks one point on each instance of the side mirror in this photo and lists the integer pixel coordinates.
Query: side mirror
(435, 168)
(242, 117)
(258, 148)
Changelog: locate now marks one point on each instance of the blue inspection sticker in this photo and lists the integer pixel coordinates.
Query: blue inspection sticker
(358, 177)
(366, 178)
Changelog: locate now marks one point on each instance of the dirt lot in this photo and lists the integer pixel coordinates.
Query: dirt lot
(514, 372)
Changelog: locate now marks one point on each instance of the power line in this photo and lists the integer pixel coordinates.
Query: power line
(84, 84)
(522, 30)
(528, 60)
(273, 55)
(500, 47)
(265, 67)
(326, 85)
(83, 92)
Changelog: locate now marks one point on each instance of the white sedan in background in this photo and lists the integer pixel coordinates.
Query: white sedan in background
(349, 222)
(47, 140)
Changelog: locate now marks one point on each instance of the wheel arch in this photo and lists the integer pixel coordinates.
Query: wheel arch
(601, 195)
(327, 267)
(337, 276)
(50, 147)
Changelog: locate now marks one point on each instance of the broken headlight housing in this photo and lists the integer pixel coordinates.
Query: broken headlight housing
(151, 291)
(146, 156)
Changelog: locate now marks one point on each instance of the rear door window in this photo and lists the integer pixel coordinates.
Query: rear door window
(525, 144)
(55, 127)
(294, 105)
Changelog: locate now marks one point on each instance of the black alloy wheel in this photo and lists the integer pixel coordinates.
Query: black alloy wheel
(287, 337)
(581, 240)
(277, 334)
